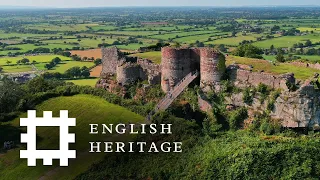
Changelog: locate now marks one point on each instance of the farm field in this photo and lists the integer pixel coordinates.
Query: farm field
(303, 57)
(16, 69)
(153, 56)
(200, 38)
(234, 41)
(62, 67)
(96, 71)
(49, 27)
(38, 59)
(176, 35)
(287, 41)
(96, 53)
(84, 82)
(86, 109)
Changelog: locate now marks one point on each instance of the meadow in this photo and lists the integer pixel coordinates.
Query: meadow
(63, 66)
(287, 41)
(86, 109)
(38, 59)
(301, 73)
(84, 82)
(154, 56)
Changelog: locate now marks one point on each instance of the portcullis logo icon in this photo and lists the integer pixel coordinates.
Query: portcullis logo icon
(63, 122)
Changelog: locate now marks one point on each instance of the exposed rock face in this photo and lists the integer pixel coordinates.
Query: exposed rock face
(299, 109)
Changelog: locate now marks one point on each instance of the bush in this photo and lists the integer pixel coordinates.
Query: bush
(237, 117)
(248, 96)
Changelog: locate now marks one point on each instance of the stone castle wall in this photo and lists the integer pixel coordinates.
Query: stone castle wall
(178, 62)
(244, 78)
(111, 57)
(128, 73)
(175, 64)
(209, 69)
(152, 70)
(142, 70)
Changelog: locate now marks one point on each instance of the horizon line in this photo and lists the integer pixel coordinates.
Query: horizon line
(161, 6)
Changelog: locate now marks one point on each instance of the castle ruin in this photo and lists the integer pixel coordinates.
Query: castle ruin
(180, 66)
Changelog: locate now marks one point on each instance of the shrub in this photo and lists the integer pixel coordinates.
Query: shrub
(237, 117)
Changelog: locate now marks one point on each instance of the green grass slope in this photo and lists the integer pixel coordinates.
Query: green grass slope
(87, 109)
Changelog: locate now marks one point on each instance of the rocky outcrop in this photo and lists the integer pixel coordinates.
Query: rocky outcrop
(298, 109)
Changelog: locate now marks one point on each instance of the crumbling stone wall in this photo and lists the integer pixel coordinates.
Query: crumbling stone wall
(128, 69)
(308, 65)
(129, 72)
(244, 78)
(111, 58)
(151, 69)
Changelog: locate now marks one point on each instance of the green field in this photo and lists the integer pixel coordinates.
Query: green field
(86, 109)
(38, 59)
(234, 41)
(154, 56)
(302, 73)
(62, 27)
(85, 82)
(16, 69)
(62, 67)
(303, 57)
(287, 41)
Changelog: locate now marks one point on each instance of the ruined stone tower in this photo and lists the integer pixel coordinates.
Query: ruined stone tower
(178, 62)
(212, 67)
(111, 57)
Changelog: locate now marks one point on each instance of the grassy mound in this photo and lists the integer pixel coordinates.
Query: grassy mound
(87, 109)
(154, 56)
(281, 68)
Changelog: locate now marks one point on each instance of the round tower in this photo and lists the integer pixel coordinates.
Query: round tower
(175, 65)
(212, 67)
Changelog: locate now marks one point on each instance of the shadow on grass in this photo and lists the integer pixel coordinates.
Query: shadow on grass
(9, 133)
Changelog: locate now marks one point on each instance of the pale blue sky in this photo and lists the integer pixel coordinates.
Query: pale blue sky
(106, 3)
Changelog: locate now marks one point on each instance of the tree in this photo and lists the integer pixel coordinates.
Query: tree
(280, 57)
(272, 48)
(222, 48)
(248, 50)
(18, 62)
(73, 72)
(85, 72)
(308, 43)
(48, 66)
(10, 95)
(56, 60)
(8, 62)
(25, 61)
(97, 61)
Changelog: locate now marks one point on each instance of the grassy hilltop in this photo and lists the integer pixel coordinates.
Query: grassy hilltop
(87, 109)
